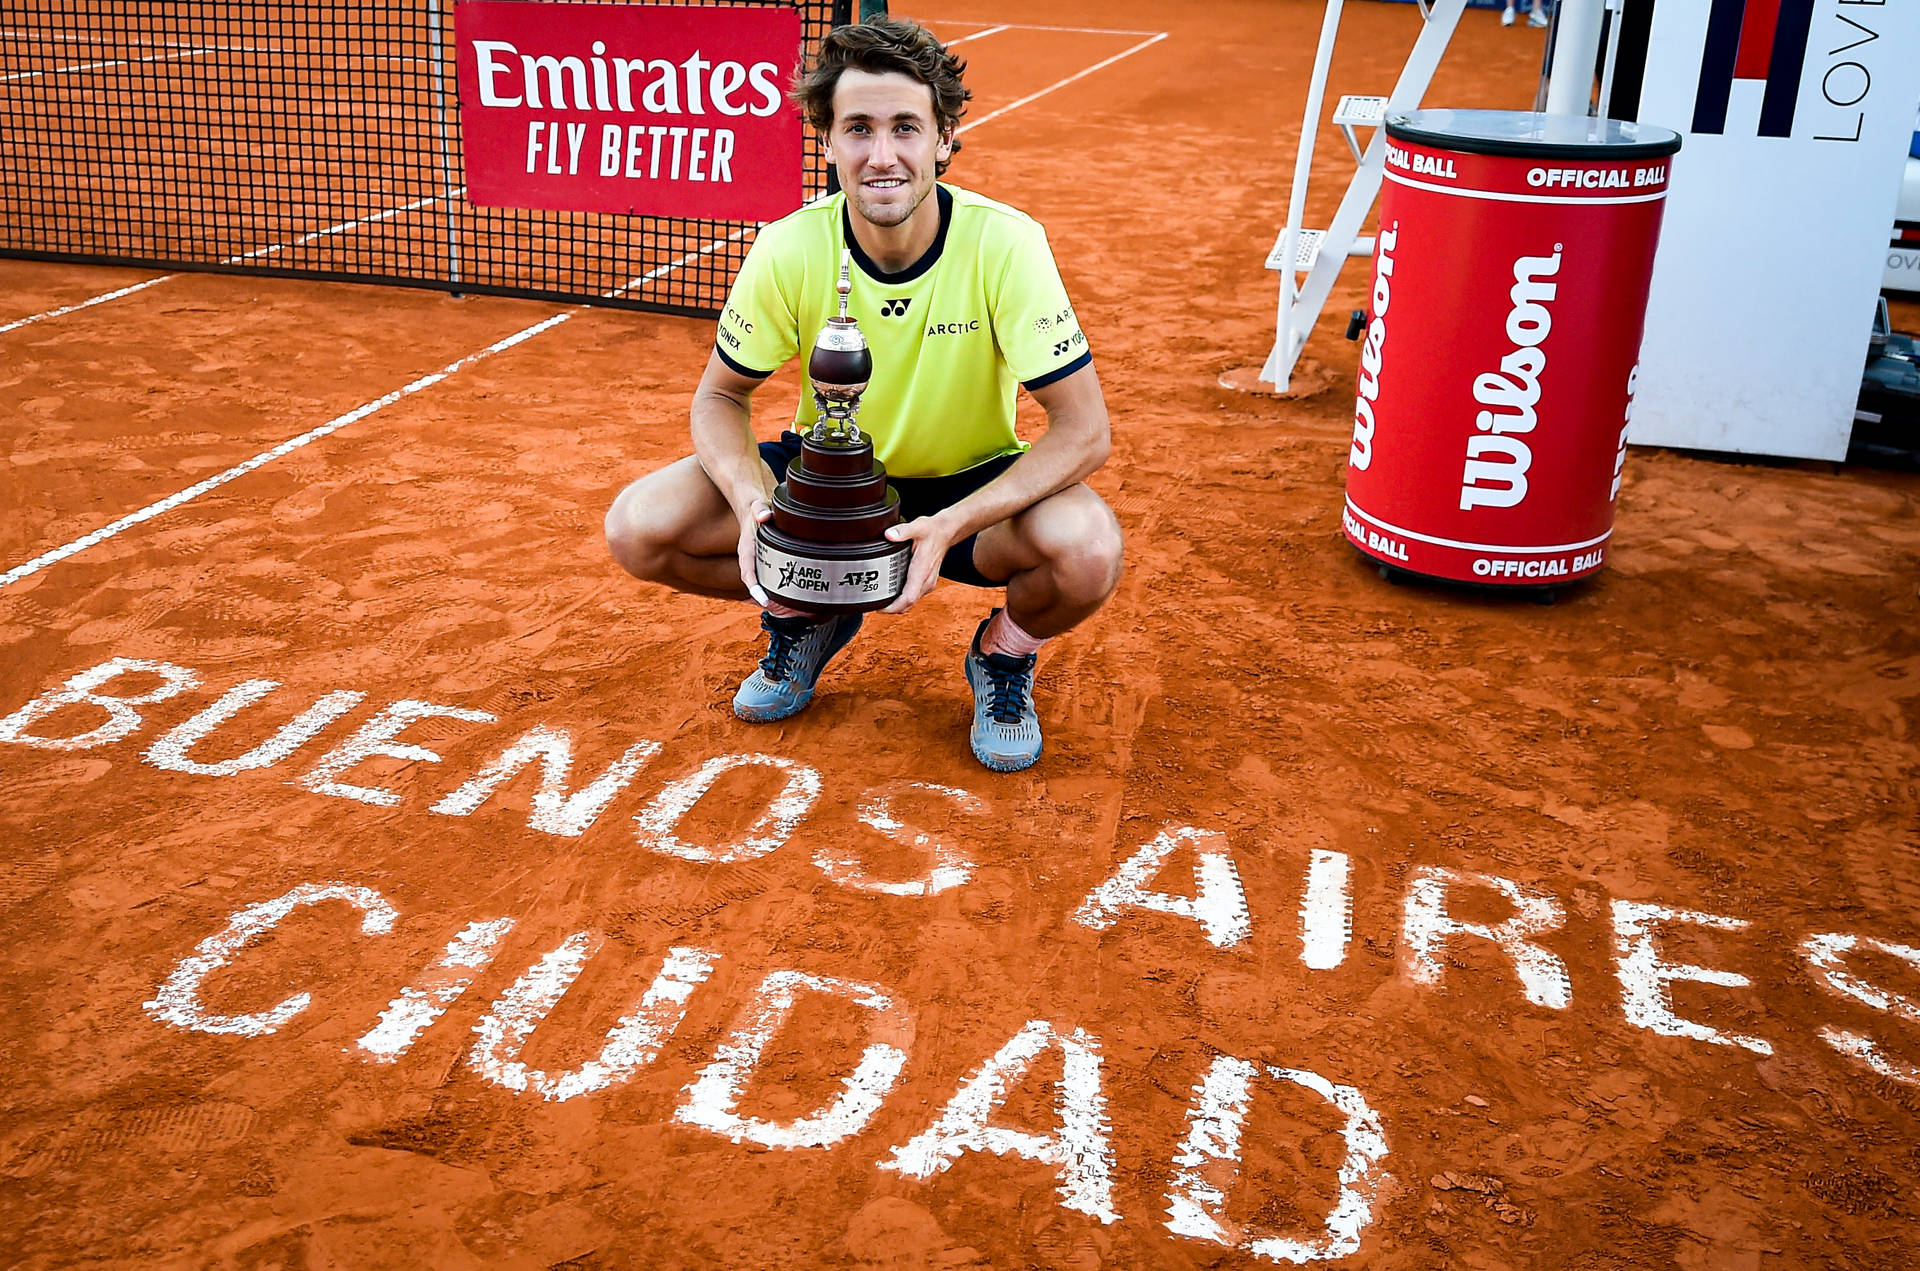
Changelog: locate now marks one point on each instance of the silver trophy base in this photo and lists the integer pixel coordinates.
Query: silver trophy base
(830, 578)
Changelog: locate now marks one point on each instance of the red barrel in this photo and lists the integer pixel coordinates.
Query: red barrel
(1496, 373)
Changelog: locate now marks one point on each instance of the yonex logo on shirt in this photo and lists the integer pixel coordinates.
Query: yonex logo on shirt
(952, 328)
(895, 308)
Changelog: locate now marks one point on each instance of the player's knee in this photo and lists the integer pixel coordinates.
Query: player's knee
(639, 542)
(1085, 550)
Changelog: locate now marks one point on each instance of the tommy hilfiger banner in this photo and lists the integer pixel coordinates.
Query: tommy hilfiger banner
(1796, 117)
(653, 109)
(1760, 41)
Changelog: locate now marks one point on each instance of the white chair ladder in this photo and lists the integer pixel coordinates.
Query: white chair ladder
(1319, 253)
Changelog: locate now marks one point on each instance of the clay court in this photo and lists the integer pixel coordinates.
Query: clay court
(593, 975)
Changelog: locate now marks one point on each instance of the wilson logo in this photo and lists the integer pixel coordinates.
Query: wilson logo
(1497, 462)
(895, 308)
(1360, 453)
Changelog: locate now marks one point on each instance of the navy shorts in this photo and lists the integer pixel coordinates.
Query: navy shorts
(919, 496)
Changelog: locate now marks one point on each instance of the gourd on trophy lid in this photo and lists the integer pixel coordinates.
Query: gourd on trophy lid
(840, 364)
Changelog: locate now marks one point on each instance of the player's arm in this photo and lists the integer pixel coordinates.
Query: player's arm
(721, 421)
(1076, 442)
(756, 335)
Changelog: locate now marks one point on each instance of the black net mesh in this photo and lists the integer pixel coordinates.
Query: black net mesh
(311, 140)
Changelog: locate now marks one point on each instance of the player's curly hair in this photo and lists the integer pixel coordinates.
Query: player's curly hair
(879, 45)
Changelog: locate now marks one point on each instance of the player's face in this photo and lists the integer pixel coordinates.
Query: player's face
(885, 143)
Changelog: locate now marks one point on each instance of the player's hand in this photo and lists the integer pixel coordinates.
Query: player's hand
(930, 538)
(757, 512)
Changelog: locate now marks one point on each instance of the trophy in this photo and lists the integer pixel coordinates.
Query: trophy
(824, 549)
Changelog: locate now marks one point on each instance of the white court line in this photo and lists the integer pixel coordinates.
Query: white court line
(343, 226)
(84, 304)
(353, 416)
(173, 501)
(1083, 30)
(977, 35)
(214, 482)
(697, 253)
(1027, 26)
(115, 37)
(268, 250)
(94, 66)
(1158, 36)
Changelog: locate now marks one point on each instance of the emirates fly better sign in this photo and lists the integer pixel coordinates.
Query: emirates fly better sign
(659, 110)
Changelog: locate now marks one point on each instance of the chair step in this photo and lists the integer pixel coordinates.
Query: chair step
(1358, 112)
(1306, 249)
(1366, 112)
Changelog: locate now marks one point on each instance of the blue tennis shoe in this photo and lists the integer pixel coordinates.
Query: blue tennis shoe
(797, 649)
(1006, 730)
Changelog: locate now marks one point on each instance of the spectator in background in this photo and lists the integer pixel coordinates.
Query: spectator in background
(1537, 17)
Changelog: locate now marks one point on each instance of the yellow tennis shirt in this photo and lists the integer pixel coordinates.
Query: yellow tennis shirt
(954, 335)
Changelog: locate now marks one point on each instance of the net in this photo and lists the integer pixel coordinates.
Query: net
(316, 140)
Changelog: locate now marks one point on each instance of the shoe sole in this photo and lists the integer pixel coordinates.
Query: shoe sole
(759, 716)
(995, 764)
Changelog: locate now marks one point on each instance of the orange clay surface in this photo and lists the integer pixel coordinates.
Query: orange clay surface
(1724, 723)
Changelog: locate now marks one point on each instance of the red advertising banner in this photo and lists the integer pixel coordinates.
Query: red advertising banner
(661, 110)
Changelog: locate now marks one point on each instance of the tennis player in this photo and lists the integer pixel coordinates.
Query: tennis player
(962, 306)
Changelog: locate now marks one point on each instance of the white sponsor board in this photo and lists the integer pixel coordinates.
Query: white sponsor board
(1773, 246)
(1903, 270)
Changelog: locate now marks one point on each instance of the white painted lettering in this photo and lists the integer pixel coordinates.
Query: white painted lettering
(1644, 974)
(1080, 1152)
(714, 1095)
(1826, 954)
(82, 690)
(376, 738)
(555, 811)
(947, 867)
(1196, 1206)
(172, 752)
(658, 820)
(420, 1004)
(177, 1002)
(1427, 927)
(1220, 902)
(634, 1042)
(1326, 912)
